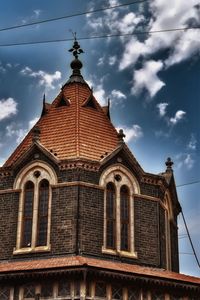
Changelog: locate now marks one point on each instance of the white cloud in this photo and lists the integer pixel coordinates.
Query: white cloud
(128, 23)
(100, 93)
(115, 20)
(189, 161)
(9, 65)
(161, 133)
(179, 115)
(37, 12)
(112, 60)
(133, 50)
(162, 108)
(132, 133)
(35, 15)
(185, 160)
(118, 94)
(101, 61)
(2, 68)
(45, 79)
(8, 107)
(117, 97)
(186, 46)
(147, 78)
(14, 130)
(32, 122)
(166, 14)
(192, 145)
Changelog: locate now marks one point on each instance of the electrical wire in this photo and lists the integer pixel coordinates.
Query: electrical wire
(188, 183)
(191, 243)
(186, 253)
(72, 15)
(99, 36)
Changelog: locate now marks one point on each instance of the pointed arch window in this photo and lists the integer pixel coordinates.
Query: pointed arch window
(110, 216)
(28, 214)
(34, 215)
(119, 188)
(43, 213)
(125, 218)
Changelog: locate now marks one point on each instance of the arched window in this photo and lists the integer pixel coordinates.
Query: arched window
(110, 216)
(34, 215)
(43, 213)
(119, 185)
(28, 214)
(124, 218)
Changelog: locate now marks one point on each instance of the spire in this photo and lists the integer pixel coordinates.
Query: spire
(76, 64)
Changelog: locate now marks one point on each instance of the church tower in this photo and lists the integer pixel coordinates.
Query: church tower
(79, 217)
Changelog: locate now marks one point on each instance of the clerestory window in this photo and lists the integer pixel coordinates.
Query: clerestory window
(34, 216)
(120, 186)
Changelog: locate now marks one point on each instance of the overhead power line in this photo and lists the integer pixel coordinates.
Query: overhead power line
(72, 15)
(186, 253)
(188, 183)
(190, 239)
(99, 36)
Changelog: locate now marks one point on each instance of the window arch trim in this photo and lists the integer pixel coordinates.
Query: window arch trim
(133, 183)
(20, 178)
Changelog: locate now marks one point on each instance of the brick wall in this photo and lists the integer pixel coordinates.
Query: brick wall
(148, 218)
(146, 231)
(63, 220)
(8, 223)
(174, 247)
(91, 220)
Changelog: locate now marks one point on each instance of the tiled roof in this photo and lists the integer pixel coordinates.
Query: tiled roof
(73, 130)
(51, 264)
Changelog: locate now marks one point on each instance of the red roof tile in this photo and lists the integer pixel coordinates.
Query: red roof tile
(79, 261)
(73, 131)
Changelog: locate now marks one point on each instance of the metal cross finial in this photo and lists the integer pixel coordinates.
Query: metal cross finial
(76, 49)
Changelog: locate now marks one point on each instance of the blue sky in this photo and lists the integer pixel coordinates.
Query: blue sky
(153, 82)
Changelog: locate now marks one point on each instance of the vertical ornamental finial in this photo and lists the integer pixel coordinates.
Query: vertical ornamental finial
(121, 136)
(76, 64)
(76, 49)
(169, 163)
(36, 134)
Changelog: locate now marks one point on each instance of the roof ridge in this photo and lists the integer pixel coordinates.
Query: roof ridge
(77, 121)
